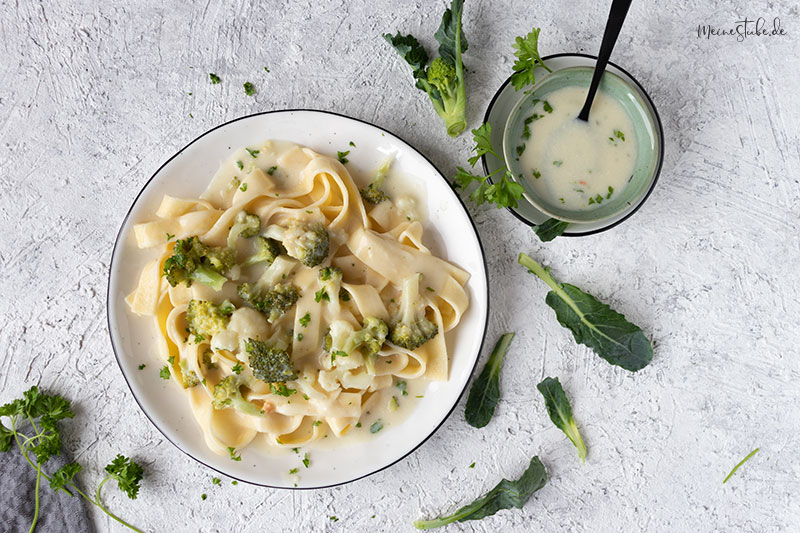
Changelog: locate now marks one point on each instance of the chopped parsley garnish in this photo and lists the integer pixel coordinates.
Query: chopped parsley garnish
(164, 372)
(619, 135)
(344, 295)
(214, 78)
(216, 480)
(536, 173)
(321, 295)
(342, 157)
(547, 107)
(265, 68)
(317, 423)
(520, 149)
(271, 170)
(376, 426)
(351, 143)
(334, 519)
(306, 396)
(141, 367)
(557, 163)
(198, 339)
(293, 471)
(305, 319)
(610, 192)
(402, 385)
(249, 88)
(243, 187)
(299, 337)
(472, 465)
(240, 165)
(237, 368)
(253, 153)
(306, 460)
(430, 289)
(234, 456)
(393, 405)
(358, 425)
(234, 482)
(281, 389)
(203, 496)
(170, 236)
(171, 359)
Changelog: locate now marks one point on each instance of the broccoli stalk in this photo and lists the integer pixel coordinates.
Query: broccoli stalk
(244, 225)
(270, 364)
(410, 328)
(331, 280)
(443, 81)
(309, 243)
(228, 394)
(266, 251)
(373, 193)
(192, 260)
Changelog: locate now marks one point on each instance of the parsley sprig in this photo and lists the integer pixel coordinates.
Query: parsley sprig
(528, 58)
(41, 412)
(502, 190)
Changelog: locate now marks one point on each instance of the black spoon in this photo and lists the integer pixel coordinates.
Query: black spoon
(619, 9)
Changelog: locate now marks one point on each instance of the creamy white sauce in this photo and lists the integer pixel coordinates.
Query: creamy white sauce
(573, 164)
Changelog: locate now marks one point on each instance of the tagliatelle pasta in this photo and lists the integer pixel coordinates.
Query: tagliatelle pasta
(302, 344)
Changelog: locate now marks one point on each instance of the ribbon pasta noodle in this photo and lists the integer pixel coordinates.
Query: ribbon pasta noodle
(326, 321)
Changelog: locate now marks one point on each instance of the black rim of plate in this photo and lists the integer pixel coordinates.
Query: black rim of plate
(656, 175)
(125, 221)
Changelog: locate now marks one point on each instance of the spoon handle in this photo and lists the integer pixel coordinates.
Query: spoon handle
(619, 9)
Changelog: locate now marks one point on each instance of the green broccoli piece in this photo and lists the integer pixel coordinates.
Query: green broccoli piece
(410, 329)
(188, 377)
(192, 260)
(309, 243)
(266, 251)
(443, 80)
(342, 340)
(228, 394)
(206, 319)
(373, 193)
(244, 225)
(268, 363)
(273, 302)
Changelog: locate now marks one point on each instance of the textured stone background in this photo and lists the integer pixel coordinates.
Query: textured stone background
(95, 96)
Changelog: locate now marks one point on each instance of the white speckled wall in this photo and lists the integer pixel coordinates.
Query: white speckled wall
(95, 96)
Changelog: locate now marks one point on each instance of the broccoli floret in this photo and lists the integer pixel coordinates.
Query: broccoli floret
(342, 340)
(410, 329)
(274, 302)
(206, 319)
(309, 243)
(266, 251)
(228, 394)
(268, 363)
(443, 80)
(373, 193)
(244, 225)
(331, 280)
(188, 377)
(192, 260)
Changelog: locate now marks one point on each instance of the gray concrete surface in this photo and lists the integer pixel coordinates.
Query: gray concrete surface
(95, 96)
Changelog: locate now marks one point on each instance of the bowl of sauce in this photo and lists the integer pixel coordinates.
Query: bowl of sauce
(578, 171)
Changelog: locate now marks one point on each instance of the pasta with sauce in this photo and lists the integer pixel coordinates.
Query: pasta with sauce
(288, 302)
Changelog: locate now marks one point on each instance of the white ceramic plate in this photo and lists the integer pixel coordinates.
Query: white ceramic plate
(186, 174)
(507, 97)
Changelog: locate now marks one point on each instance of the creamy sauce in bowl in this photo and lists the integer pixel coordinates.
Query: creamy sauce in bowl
(572, 164)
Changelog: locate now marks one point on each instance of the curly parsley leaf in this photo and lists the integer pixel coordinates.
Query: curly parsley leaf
(127, 473)
(64, 476)
(528, 59)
